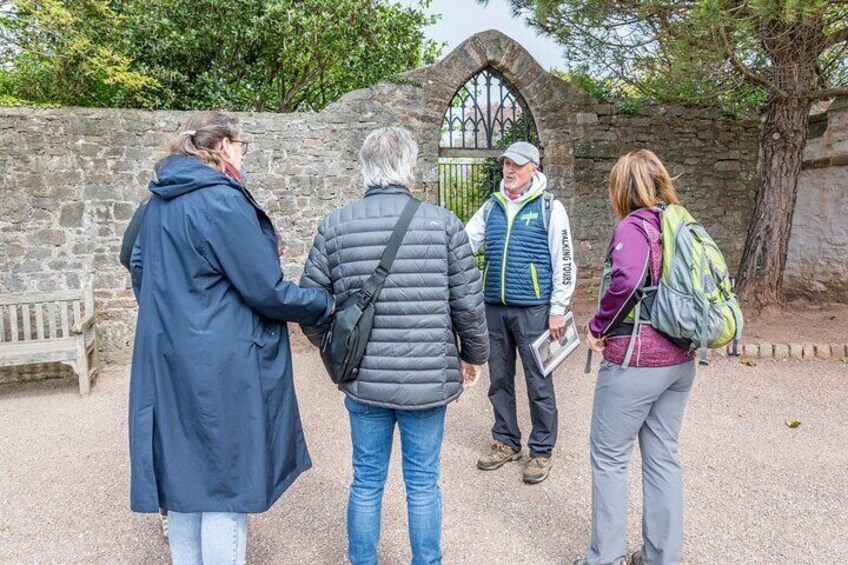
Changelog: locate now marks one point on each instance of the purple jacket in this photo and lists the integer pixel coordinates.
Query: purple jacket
(635, 250)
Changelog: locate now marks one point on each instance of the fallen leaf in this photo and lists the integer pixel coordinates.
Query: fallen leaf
(793, 423)
(748, 362)
(845, 360)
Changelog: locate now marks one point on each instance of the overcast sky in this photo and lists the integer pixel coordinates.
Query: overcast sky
(463, 18)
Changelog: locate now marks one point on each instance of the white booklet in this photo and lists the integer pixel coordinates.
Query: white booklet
(550, 354)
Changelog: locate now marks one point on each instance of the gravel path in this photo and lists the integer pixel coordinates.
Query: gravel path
(757, 492)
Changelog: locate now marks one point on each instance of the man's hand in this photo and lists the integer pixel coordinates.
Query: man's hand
(470, 374)
(557, 326)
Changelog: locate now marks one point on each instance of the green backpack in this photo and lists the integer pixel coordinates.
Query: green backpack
(693, 303)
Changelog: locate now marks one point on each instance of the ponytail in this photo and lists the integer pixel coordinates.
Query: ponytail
(203, 135)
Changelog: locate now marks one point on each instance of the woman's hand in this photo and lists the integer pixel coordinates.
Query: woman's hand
(596, 344)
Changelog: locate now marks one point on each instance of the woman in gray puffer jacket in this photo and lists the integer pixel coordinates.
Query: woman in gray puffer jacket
(429, 339)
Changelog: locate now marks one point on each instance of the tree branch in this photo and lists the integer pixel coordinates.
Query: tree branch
(835, 38)
(748, 73)
(829, 93)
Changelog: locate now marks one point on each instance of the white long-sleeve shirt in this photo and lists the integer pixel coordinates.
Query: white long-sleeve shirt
(563, 266)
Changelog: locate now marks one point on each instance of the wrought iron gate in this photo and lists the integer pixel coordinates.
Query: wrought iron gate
(485, 115)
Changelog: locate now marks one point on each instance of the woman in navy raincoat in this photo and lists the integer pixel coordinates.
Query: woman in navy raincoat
(214, 426)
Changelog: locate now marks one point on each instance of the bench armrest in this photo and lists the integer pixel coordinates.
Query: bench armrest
(82, 327)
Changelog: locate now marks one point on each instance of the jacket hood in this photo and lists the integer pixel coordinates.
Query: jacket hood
(178, 174)
(539, 184)
(651, 215)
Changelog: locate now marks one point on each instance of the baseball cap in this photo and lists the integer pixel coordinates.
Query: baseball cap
(520, 153)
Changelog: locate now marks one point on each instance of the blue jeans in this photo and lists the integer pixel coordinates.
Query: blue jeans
(371, 432)
(207, 538)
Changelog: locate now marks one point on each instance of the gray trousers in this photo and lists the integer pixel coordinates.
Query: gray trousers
(511, 328)
(647, 402)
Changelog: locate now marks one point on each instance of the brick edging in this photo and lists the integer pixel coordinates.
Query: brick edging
(766, 350)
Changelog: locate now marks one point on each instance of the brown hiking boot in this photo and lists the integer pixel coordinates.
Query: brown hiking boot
(500, 453)
(537, 469)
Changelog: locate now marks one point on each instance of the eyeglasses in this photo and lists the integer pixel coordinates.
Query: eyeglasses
(244, 145)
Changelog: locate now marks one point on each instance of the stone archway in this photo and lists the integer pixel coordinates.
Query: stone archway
(486, 115)
(426, 93)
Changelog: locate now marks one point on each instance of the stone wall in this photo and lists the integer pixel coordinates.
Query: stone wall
(74, 176)
(817, 263)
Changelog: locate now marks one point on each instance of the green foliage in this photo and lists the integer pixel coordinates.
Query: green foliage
(628, 100)
(729, 53)
(265, 55)
(63, 52)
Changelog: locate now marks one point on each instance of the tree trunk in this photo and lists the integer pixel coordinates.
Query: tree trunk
(782, 141)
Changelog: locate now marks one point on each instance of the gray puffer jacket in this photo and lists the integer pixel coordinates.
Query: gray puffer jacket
(432, 295)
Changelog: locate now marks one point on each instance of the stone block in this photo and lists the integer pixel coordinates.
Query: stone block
(751, 350)
(71, 215)
(586, 118)
(809, 351)
(766, 350)
(796, 351)
(838, 350)
(48, 237)
(781, 351)
(822, 350)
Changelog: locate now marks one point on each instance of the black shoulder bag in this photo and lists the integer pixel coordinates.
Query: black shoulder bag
(131, 234)
(344, 344)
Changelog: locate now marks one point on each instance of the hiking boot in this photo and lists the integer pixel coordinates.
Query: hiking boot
(537, 469)
(500, 453)
(636, 558)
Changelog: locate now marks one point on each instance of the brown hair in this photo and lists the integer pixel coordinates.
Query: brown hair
(639, 180)
(203, 133)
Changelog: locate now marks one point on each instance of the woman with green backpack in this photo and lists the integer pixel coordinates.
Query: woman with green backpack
(644, 380)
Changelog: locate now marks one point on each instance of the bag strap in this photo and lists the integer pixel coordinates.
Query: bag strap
(372, 287)
(131, 234)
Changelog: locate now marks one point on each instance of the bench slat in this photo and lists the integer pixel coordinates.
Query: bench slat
(51, 319)
(30, 297)
(28, 352)
(77, 314)
(26, 321)
(2, 323)
(63, 315)
(39, 321)
(13, 321)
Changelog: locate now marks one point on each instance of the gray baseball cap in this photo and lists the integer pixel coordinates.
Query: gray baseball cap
(520, 153)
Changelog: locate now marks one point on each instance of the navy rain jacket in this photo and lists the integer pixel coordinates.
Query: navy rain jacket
(213, 418)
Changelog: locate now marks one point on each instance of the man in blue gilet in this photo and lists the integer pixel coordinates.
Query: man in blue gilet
(528, 282)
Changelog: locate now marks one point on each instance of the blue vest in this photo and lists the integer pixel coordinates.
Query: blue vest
(518, 259)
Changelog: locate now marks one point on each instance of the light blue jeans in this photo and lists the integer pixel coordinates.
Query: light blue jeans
(207, 538)
(421, 432)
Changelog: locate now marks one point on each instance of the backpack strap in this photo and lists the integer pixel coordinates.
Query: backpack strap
(487, 209)
(547, 208)
(705, 321)
(372, 287)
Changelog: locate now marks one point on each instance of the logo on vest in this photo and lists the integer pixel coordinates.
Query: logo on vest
(528, 217)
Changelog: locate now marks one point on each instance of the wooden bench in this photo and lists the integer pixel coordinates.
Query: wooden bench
(50, 327)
